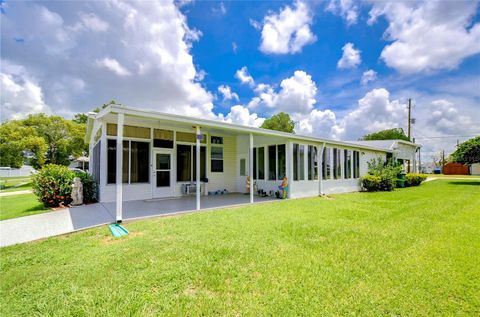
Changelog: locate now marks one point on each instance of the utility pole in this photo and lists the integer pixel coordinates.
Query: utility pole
(409, 117)
(443, 160)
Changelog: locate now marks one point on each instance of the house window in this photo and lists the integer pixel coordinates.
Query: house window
(254, 163)
(203, 157)
(261, 163)
(187, 164)
(216, 159)
(337, 167)
(347, 163)
(272, 163)
(243, 167)
(282, 163)
(312, 163)
(216, 140)
(135, 167)
(356, 164)
(326, 163)
(163, 138)
(298, 162)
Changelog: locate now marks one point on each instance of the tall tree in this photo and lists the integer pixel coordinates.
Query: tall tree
(280, 122)
(388, 134)
(467, 152)
(16, 140)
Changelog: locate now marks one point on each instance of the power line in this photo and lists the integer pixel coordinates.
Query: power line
(447, 137)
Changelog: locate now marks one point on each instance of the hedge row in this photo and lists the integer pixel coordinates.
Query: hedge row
(53, 185)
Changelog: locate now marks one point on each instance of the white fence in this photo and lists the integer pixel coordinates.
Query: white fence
(16, 172)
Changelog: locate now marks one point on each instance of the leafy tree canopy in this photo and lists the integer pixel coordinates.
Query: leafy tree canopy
(51, 139)
(468, 152)
(280, 122)
(388, 134)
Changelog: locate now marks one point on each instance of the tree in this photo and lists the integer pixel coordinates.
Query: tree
(468, 152)
(280, 122)
(80, 118)
(16, 140)
(388, 134)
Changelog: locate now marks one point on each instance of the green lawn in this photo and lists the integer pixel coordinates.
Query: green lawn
(411, 252)
(10, 184)
(19, 206)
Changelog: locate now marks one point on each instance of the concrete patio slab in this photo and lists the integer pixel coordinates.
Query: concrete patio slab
(35, 227)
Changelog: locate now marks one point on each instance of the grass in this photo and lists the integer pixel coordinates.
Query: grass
(443, 176)
(410, 252)
(11, 184)
(19, 206)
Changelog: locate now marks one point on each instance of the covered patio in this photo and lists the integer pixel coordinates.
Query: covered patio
(136, 209)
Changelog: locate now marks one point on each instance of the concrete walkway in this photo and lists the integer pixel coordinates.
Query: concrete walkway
(18, 192)
(53, 223)
(30, 228)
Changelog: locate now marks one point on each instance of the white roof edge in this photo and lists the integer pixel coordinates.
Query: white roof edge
(114, 108)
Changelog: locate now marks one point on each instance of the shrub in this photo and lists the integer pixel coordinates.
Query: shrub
(53, 185)
(89, 187)
(382, 176)
(373, 183)
(412, 179)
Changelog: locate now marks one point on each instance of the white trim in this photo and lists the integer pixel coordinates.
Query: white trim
(119, 162)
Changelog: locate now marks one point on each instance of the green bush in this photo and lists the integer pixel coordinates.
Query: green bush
(412, 179)
(53, 185)
(382, 176)
(373, 183)
(89, 187)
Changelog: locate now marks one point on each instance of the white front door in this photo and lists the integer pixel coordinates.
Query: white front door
(163, 179)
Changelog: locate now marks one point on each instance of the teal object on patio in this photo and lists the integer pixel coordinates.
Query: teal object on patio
(118, 230)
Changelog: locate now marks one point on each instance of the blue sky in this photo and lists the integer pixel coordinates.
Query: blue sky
(242, 61)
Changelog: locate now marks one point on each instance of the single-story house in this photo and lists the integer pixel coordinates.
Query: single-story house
(143, 155)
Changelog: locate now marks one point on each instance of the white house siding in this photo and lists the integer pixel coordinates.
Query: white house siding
(228, 178)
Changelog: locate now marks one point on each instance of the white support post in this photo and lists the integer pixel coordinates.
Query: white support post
(351, 164)
(319, 167)
(119, 171)
(199, 135)
(250, 167)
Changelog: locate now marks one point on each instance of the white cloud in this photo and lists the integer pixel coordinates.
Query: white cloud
(446, 119)
(244, 77)
(368, 76)
(350, 57)
(428, 35)
(234, 47)
(347, 9)
(319, 123)
(241, 115)
(89, 21)
(113, 65)
(288, 31)
(20, 93)
(296, 95)
(153, 64)
(227, 93)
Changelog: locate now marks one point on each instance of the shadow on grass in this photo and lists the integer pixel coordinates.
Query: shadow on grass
(472, 182)
(38, 207)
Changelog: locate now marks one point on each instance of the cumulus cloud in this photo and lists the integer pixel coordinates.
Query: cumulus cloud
(296, 95)
(350, 58)
(368, 76)
(244, 77)
(446, 119)
(241, 115)
(113, 65)
(152, 67)
(347, 9)
(428, 35)
(20, 93)
(288, 31)
(227, 93)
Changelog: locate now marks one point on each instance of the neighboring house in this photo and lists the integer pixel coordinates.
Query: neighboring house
(405, 152)
(475, 169)
(165, 155)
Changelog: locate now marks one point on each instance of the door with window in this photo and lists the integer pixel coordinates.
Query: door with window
(163, 182)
